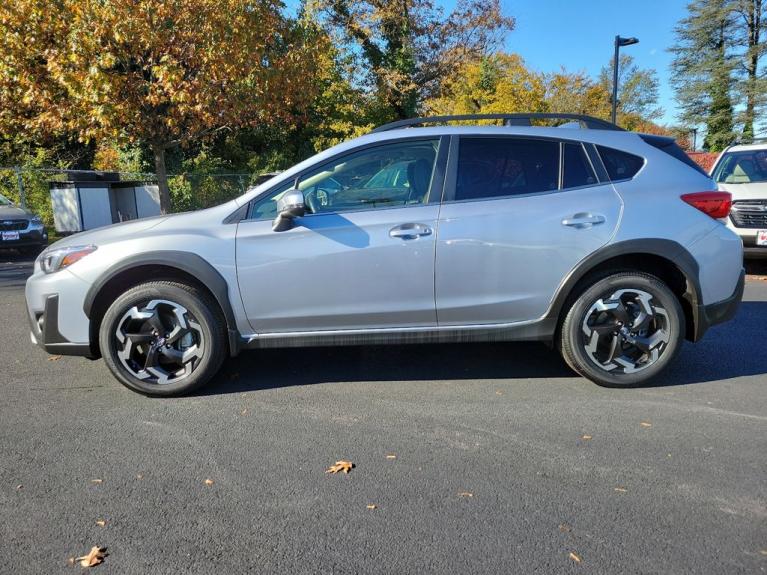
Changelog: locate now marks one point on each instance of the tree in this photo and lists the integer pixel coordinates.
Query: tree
(576, 93)
(637, 90)
(719, 67)
(161, 72)
(499, 83)
(408, 46)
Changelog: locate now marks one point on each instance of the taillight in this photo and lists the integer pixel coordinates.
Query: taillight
(714, 204)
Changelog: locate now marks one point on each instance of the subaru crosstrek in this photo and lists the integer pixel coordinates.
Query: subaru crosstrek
(610, 245)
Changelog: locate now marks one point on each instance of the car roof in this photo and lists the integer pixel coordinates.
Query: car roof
(747, 147)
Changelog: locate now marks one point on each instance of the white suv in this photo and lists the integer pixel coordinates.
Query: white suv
(742, 171)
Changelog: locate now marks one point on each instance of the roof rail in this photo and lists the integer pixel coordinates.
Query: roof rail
(508, 120)
(749, 141)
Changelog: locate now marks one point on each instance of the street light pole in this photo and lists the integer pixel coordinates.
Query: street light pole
(619, 41)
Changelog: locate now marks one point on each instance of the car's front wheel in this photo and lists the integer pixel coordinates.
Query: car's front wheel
(163, 338)
(622, 330)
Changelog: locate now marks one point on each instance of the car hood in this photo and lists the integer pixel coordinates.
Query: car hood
(108, 234)
(14, 213)
(755, 191)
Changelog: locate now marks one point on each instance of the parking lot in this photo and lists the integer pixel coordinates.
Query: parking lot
(468, 459)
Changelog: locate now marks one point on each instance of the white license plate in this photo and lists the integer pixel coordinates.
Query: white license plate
(15, 236)
(761, 237)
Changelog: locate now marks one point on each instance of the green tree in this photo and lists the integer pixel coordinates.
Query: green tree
(637, 91)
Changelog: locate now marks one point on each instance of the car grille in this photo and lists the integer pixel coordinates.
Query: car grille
(749, 214)
(13, 225)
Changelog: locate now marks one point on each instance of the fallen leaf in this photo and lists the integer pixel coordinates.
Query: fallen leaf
(244, 411)
(54, 357)
(19, 486)
(208, 482)
(371, 506)
(97, 481)
(101, 522)
(565, 528)
(93, 558)
(763, 551)
(340, 465)
(465, 494)
(71, 560)
(139, 476)
(498, 392)
(391, 456)
(574, 557)
(620, 489)
(586, 437)
(645, 424)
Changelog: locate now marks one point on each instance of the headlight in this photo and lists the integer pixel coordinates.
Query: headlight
(36, 221)
(58, 259)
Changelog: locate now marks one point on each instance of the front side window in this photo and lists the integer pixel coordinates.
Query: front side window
(4, 201)
(385, 176)
(742, 168)
(497, 167)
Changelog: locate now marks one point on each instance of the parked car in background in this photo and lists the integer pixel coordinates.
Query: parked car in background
(741, 170)
(20, 228)
(605, 243)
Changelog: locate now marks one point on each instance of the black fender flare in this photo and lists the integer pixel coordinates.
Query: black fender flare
(187, 262)
(669, 250)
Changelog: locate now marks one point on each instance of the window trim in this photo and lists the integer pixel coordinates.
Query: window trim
(433, 195)
(452, 168)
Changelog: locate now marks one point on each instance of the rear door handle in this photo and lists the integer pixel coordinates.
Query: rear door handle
(583, 220)
(410, 231)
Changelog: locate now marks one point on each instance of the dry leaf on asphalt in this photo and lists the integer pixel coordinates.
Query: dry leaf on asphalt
(372, 506)
(340, 465)
(574, 557)
(565, 528)
(97, 481)
(93, 558)
(54, 357)
(100, 522)
(391, 456)
(620, 489)
(244, 411)
(465, 494)
(645, 424)
(587, 437)
(19, 486)
(208, 482)
(139, 476)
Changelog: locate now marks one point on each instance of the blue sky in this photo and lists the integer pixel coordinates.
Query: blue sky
(579, 35)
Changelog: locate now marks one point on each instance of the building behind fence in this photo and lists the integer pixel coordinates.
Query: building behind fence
(30, 187)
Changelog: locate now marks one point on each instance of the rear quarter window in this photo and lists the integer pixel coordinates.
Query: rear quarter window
(620, 165)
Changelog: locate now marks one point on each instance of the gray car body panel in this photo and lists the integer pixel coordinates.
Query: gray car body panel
(490, 269)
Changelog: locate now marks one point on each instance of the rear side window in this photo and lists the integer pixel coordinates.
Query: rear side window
(497, 167)
(577, 170)
(620, 165)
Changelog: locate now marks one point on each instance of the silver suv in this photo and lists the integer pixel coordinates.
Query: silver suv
(609, 244)
(742, 170)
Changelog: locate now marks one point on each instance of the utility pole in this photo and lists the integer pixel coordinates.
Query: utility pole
(619, 41)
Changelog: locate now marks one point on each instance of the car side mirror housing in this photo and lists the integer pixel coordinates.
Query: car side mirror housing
(291, 205)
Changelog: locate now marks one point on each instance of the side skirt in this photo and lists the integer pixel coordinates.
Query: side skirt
(539, 330)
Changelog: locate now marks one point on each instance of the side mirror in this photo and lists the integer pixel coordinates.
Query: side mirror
(290, 205)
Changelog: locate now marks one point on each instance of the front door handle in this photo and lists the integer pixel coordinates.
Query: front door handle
(410, 231)
(583, 220)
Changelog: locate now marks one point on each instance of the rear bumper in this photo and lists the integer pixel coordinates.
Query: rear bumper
(721, 311)
(44, 331)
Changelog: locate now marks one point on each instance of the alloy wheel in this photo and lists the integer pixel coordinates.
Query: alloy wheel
(161, 342)
(626, 331)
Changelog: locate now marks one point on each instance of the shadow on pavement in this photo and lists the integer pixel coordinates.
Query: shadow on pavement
(730, 350)
(15, 268)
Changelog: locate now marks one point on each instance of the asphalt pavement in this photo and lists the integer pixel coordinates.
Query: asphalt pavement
(468, 459)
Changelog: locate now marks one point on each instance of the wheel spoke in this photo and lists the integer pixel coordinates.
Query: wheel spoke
(177, 333)
(156, 323)
(139, 337)
(620, 313)
(614, 348)
(152, 358)
(604, 328)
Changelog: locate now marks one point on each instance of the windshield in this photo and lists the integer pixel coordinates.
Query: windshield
(5, 201)
(742, 167)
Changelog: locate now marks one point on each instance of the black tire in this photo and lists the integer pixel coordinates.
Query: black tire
(202, 320)
(590, 338)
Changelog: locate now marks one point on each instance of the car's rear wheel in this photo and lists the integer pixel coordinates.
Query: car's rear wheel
(163, 338)
(622, 330)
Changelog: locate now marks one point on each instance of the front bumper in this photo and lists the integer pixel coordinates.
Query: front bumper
(31, 237)
(719, 312)
(45, 331)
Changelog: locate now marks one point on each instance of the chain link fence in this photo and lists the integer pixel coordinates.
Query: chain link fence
(29, 187)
